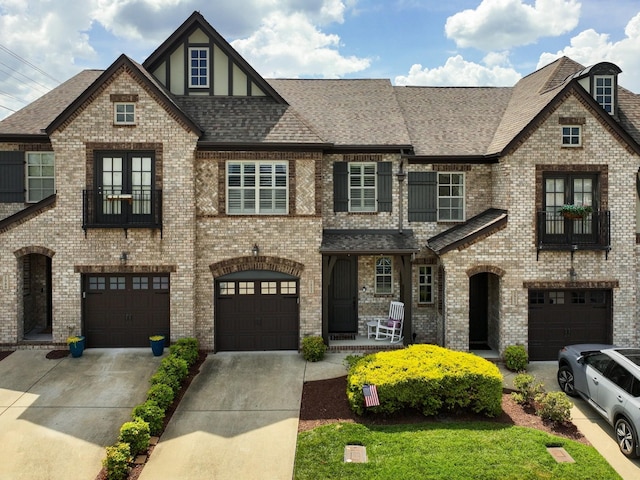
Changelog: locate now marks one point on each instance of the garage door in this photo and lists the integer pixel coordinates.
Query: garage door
(564, 317)
(123, 310)
(257, 313)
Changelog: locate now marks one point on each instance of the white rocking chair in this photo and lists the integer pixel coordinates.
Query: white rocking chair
(391, 327)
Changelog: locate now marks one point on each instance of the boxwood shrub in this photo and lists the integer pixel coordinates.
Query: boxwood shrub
(136, 434)
(151, 413)
(162, 394)
(186, 349)
(116, 463)
(428, 378)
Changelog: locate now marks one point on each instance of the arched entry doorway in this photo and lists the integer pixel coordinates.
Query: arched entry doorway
(484, 309)
(35, 282)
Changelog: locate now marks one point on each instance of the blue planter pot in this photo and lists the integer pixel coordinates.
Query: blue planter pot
(157, 347)
(77, 348)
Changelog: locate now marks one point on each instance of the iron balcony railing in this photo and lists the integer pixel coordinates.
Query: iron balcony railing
(122, 209)
(591, 232)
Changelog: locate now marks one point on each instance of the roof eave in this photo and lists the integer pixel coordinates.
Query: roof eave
(475, 159)
(235, 146)
(24, 137)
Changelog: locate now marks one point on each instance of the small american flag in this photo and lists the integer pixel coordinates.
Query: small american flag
(370, 395)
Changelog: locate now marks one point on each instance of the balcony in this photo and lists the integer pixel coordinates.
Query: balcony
(120, 209)
(592, 232)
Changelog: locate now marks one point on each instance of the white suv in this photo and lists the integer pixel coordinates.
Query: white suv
(608, 378)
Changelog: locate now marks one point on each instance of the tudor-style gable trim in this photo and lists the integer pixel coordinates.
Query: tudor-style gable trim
(573, 88)
(181, 38)
(122, 64)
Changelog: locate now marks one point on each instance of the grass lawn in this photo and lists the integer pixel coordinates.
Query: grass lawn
(464, 451)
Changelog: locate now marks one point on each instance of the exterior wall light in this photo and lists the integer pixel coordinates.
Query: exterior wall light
(255, 250)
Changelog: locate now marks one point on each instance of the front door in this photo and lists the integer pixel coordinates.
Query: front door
(479, 311)
(343, 296)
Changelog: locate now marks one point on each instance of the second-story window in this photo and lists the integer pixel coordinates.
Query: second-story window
(362, 187)
(450, 197)
(257, 188)
(40, 175)
(384, 275)
(198, 67)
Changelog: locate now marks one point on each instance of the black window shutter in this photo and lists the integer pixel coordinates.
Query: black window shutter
(423, 196)
(340, 187)
(11, 177)
(384, 187)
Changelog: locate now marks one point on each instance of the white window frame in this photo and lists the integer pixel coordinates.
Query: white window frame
(34, 172)
(600, 92)
(425, 284)
(363, 186)
(126, 115)
(448, 193)
(249, 185)
(384, 275)
(571, 136)
(204, 71)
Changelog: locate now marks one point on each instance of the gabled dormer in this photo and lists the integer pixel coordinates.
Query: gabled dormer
(196, 60)
(601, 81)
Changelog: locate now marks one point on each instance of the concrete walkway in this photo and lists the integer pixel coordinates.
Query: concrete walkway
(57, 416)
(238, 420)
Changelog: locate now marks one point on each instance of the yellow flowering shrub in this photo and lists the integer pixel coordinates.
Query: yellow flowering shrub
(428, 378)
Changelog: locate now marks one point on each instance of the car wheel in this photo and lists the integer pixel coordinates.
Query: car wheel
(626, 438)
(566, 381)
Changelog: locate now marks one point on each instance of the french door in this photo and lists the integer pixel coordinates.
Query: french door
(124, 183)
(573, 189)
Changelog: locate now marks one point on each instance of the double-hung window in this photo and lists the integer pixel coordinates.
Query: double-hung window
(384, 275)
(362, 187)
(257, 188)
(450, 197)
(425, 284)
(198, 67)
(604, 91)
(40, 175)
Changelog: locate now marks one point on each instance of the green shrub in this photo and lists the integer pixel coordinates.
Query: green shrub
(313, 348)
(117, 460)
(162, 394)
(527, 390)
(151, 413)
(174, 366)
(186, 349)
(163, 377)
(136, 434)
(516, 358)
(350, 360)
(429, 378)
(554, 406)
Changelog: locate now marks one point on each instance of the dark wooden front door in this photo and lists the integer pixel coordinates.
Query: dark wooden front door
(343, 296)
(257, 314)
(123, 310)
(478, 310)
(564, 317)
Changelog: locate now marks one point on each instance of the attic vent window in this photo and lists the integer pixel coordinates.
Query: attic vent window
(198, 67)
(124, 113)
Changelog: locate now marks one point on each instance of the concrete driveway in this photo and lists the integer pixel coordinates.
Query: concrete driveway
(57, 416)
(238, 420)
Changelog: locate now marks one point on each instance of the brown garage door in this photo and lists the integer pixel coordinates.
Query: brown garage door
(564, 317)
(259, 313)
(123, 310)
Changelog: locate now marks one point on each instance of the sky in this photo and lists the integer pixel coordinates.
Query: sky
(410, 42)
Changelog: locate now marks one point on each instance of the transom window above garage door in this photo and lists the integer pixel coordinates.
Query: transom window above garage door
(562, 297)
(264, 287)
(116, 282)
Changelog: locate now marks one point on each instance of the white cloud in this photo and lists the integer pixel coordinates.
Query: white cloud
(590, 47)
(290, 46)
(459, 72)
(503, 24)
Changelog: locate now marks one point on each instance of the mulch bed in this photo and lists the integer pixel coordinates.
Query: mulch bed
(5, 353)
(57, 354)
(325, 401)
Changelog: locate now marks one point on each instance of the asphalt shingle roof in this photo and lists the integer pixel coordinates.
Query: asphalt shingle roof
(247, 120)
(370, 242)
(461, 235)
(348, 112)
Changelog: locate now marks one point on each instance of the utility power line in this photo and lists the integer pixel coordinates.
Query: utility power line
(27, 62)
